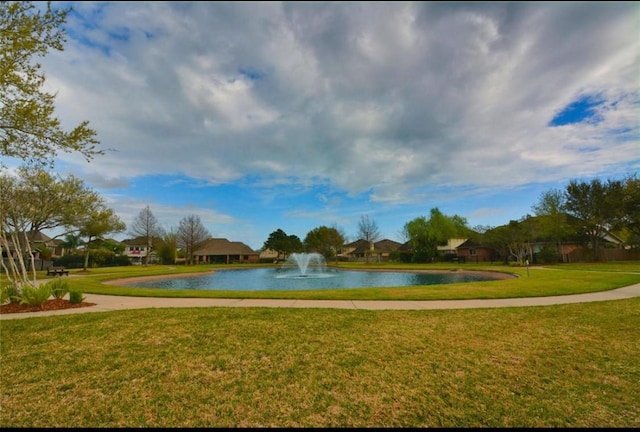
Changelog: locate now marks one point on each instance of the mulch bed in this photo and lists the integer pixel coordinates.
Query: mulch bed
(49, 305)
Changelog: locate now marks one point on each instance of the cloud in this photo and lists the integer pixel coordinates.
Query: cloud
(391, 99)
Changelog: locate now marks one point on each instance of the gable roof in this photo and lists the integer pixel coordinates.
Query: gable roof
(140, 241)
(386, 245)
(222, 246)
(361, 246)
(38, 236)
(471, 243)
(358, 244)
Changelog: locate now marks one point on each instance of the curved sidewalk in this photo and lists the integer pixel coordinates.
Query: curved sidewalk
(106, 303)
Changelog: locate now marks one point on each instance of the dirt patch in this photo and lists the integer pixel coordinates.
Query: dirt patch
(49, 305)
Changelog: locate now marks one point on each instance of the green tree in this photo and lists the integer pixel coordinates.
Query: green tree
(113, 246)
(324, 240)
(168, 249)
(191, 235)
(425, 235)
(29, 129)
(72, 241)
(497, 238)
(14, 242)
(46, 201)
(34, 200)
(146, 225)
(293, 244)
(283, 244)
(552, 220)
(629, 219)
(597, 207)
(513, 239)
(520, 234)
(95, 223)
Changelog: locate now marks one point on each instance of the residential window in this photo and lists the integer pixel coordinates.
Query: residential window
(472, 252)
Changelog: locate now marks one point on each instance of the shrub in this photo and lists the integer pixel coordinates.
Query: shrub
(97, 258)
(421, 257)
(59, 288)
(45, 253)
(35, 296)
(399, 256)
(76, 296)
(70, 261)
(548, 255)
(9, 292)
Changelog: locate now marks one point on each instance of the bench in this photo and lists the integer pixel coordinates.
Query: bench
(57, 271)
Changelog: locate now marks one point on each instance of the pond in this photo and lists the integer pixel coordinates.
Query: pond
(269, 279)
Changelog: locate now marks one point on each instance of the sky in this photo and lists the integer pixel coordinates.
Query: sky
(259, 116)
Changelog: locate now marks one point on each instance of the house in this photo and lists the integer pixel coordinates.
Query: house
(223, 251)
(475, 251)
(269, 255)
(43, 248)
(41, 242)
(137, 250)
(354, 250)
(379, 251)
(570, 250)
(451, 246)
(405, 252)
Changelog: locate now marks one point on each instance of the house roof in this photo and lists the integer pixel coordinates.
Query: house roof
(470, 243)
(386, 245)
(361, 246)
(357, 244)
(405, 247)
(36, 239)
(38, 236)
(222, 246)
(140, 241)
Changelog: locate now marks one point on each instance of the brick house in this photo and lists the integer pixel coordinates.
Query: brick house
(223, 251)
(378, 251)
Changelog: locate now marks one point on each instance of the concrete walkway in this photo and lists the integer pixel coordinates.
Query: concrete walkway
(106, 303)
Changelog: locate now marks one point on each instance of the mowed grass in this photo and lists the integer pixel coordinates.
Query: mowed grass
(535, 281)
(572, 365)
(556, 366)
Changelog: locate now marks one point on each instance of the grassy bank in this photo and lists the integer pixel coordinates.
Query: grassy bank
(554, 366)
(570, 365)
(532, 282)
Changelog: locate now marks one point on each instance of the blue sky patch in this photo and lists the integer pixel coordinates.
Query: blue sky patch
(583, 110)
(121, 34)
(88, 22)
(252, 74)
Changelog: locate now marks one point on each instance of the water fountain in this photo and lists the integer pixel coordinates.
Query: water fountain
(302, 265)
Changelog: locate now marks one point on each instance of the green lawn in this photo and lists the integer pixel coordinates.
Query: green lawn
(570, 365)
(536, 281)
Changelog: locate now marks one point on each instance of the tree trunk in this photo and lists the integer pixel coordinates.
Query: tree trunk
(86, 255)
(146, 258)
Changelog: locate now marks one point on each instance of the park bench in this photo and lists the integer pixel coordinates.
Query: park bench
(57, 271)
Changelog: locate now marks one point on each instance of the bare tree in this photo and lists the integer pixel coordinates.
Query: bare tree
(368, 230)
(191, 235)
(146, 225)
